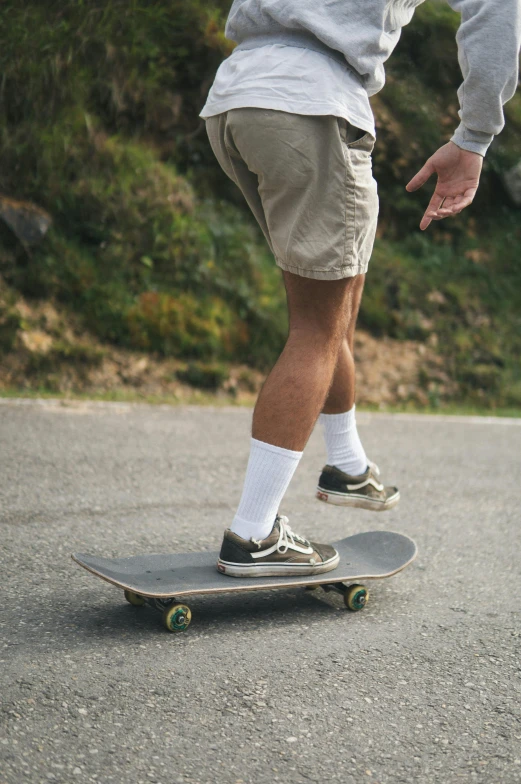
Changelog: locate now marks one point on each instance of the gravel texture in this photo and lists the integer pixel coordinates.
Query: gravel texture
(422, 686)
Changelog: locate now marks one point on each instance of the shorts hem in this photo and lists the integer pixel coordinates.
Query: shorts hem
(336, 273)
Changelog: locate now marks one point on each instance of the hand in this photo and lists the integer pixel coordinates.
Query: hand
(458, 179)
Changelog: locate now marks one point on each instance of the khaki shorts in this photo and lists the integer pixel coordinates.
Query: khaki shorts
(308, 180)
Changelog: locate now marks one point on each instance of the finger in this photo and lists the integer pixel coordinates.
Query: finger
(460, 207)
(433, 211)
(457, 198)
(458, 204)
(447, 208)
(447, 203)
(444, 207)
(425, 222)
(440, 214)
(463, 201)
(434, 204)
(450, 205)
(421, 177)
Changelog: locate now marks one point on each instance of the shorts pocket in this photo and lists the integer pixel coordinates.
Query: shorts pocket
(366, 205)
(352, 136)
(361, 204)
(364, 144)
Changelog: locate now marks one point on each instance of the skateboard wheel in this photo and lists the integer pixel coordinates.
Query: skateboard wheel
(312, 587)
(356, 597)
(177, 617)
(134, 598)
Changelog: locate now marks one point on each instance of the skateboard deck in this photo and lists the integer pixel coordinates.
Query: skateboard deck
(161, 579)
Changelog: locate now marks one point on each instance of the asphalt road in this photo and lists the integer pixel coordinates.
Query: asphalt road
(422, 686)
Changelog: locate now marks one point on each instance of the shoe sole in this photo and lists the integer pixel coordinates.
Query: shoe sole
(275, 570)
(359, 502)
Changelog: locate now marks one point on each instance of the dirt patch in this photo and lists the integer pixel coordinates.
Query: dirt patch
(50, 352)
(390, 372)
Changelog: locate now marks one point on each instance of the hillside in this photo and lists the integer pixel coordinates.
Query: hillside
(151, 249)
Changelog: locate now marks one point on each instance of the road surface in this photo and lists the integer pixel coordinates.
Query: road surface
(422, 686)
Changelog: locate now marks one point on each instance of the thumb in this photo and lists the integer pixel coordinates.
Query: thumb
(421, 178)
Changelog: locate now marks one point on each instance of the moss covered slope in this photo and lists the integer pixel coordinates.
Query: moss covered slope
(152, 248)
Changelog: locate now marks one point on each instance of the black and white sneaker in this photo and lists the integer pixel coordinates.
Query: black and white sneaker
(364, 491)
(282, 553)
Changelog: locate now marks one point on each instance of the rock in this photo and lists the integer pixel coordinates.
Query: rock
(437, 297)
(512, 182)
(28, 222)
(36, 341)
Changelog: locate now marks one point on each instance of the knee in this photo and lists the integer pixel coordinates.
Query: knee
(345, 346)
(326, 335)
(327, 325)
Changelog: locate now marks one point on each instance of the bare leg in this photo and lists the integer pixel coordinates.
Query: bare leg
(341, 396)
(344, 448)
(294, 392)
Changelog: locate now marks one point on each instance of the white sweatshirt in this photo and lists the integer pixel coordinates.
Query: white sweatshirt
(361, 34)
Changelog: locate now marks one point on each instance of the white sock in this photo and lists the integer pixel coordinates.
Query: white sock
(268, 475)
(344, 448)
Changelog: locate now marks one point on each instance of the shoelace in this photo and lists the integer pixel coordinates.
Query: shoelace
(375, 468)
(287, 537)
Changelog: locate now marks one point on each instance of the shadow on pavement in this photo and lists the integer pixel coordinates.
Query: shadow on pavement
(72, 620)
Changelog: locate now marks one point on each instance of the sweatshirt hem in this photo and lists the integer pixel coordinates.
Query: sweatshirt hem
(293, 107)
(473, 141)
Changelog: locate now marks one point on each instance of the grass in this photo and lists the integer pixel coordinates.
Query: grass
(220, 400)
(196, 397)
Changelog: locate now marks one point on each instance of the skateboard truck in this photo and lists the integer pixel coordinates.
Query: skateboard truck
(177, 617)
(355, 596)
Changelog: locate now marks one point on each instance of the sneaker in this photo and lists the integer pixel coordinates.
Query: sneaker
(364, 491)
(282, 553)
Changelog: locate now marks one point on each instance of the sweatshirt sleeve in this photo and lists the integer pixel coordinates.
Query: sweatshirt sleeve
(489, 40)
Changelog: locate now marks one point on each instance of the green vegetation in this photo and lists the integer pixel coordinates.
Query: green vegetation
(94, 129)
(151, 246)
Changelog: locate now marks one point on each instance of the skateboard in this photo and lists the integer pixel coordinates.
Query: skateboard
(162, 581)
